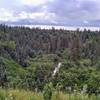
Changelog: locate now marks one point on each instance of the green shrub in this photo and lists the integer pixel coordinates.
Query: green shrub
(47, 93)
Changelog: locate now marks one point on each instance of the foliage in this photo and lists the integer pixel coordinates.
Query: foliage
(28, 58)
(10, 44)
(47, 93)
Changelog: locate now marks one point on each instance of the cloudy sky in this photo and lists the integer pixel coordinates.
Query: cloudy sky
(58, 12)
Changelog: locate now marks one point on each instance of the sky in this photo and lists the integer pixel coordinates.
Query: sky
(50, 12)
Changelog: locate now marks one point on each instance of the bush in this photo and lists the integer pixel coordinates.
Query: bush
(47, 94)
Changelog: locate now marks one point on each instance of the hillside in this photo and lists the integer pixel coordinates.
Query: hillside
(28, 58)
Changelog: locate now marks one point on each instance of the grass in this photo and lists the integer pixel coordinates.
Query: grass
(62, 96)
(19, 95)
(11, 94)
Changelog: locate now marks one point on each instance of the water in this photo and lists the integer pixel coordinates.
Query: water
(56, 69)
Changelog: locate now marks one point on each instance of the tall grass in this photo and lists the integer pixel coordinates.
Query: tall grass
(62, 96)
(19, 95)
(11, 94)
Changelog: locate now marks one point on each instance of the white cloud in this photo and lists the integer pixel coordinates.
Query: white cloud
(40, 16)
(23, 15)
(6, 15)
(85, 22)
(33, 2)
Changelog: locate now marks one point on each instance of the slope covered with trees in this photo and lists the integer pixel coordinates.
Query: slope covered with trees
(28, 58)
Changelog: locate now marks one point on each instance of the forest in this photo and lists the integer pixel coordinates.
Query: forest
(29, 56)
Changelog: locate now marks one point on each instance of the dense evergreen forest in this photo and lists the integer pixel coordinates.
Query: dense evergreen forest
(28, 58)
